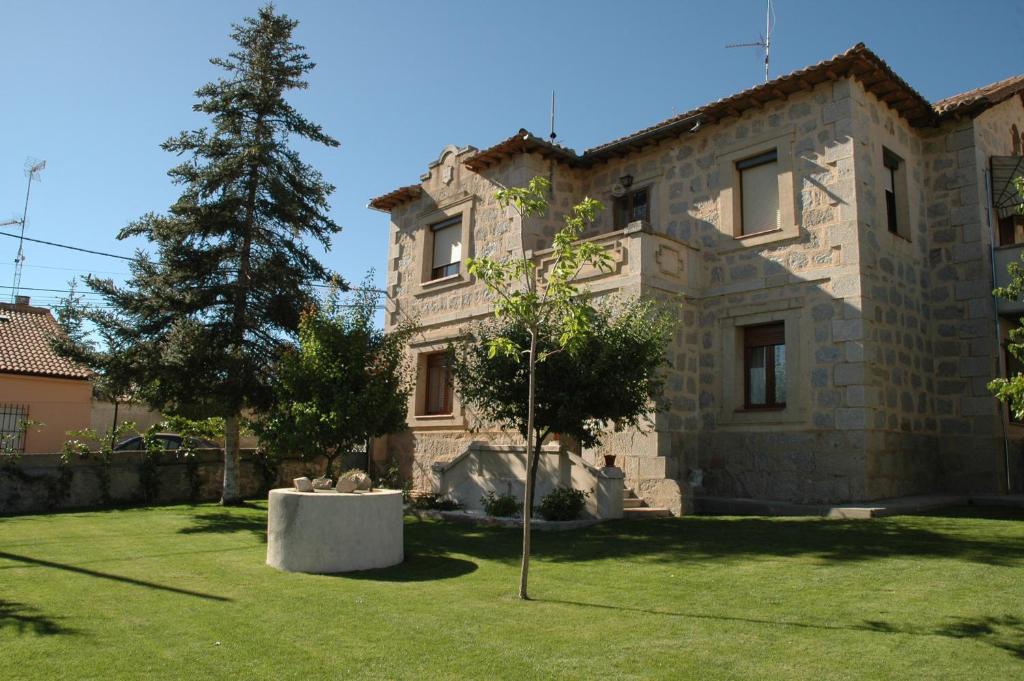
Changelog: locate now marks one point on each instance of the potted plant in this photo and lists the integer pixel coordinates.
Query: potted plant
(609, 460)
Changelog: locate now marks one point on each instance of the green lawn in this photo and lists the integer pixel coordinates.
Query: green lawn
(183, 592)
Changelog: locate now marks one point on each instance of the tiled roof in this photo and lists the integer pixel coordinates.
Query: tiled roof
(24, 344)
(858, 63)
(980, 98)
(386, 202)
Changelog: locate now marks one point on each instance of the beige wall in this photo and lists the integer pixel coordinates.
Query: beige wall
(59, 404)
(890, 338)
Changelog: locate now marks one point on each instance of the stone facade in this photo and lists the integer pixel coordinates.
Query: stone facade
(890, 338)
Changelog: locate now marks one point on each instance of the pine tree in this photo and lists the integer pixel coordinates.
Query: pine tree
(200, 325)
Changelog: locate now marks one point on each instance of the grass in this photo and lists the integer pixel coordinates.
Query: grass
(183, 592)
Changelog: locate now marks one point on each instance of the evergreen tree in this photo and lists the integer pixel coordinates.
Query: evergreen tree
(200, 325)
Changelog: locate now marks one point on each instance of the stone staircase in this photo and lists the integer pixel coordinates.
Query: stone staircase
(635, 508)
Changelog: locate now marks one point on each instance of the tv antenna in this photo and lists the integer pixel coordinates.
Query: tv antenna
(765, 40)
(32, 170)
(552, 136)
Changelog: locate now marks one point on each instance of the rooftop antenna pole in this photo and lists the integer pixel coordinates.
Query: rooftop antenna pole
(32, 170)
(552, 136)
(766, 41)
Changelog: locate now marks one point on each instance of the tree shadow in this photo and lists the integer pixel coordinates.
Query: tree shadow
(27, 560)
(1005, 632)
(225, 522)
(28, 619)
(418, 567)
(700, 539)
(979, 512)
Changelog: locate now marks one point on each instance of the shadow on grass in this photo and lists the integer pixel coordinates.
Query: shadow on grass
(417, 568)
(27, 619)
(700, 539)
(226, 522)
(37, 562)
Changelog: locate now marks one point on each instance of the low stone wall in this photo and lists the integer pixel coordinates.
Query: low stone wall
(38, 483)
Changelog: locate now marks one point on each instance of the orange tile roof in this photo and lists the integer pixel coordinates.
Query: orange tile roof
(858, 62)
(981, 97)
(24, 344)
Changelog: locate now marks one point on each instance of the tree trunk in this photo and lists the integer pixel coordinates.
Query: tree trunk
(229, 493)
(538, 440)
(531, 455)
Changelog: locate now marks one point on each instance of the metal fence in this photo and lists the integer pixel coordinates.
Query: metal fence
(12, 428)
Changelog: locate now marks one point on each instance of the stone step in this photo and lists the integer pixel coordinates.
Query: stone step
(628, 494)
(645, 512)
(632, 502)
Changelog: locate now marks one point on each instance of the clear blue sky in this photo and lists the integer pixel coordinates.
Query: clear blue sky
(94, 87)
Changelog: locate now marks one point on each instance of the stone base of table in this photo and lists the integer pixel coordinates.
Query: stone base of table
(324, 532)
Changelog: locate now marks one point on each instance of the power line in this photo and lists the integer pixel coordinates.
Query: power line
(70, 248)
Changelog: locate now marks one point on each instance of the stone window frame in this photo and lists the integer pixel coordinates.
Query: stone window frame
(901, 188)
(418, 418)
(647, 180)
(732, 409)
(462, 206)
(731, 202)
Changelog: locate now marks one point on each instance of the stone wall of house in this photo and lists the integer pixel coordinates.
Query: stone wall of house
(889, 338)
(38, 483)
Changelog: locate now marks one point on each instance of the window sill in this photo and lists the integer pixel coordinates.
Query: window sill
(760, 410)
(435, 417)
(443, 284)
(763, 232)
(901, 236)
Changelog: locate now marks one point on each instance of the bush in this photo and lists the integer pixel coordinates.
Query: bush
(500, 506)
(562, 503)
(389, 476)
(433, 502)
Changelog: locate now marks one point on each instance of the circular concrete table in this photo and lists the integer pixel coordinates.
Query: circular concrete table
(329, 531)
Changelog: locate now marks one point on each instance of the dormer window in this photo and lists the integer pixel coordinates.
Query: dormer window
(447, 247)
(632, 206)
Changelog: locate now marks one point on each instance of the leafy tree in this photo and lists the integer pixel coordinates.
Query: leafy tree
(199, 327)
(345, 383)
(545, 303)
(608, 384)
(1011, 390)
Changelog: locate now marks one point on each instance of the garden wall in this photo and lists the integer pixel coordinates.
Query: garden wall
(35, 483)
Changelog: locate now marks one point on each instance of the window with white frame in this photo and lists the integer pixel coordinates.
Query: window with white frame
(446, 248)
(759, 192)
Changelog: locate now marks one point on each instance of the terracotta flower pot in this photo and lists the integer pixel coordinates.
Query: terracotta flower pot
(609, 460)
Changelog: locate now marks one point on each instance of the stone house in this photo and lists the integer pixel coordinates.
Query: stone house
(36, 384)
(829, 237)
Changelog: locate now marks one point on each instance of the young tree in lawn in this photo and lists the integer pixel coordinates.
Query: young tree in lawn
(346, 382)
(200, 326)
(613, 381)
(543, 304)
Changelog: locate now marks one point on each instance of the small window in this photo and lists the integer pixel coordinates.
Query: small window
(764, 358)
(893, 164)
(632, 206)
(1015, 140)
(447, 248)
(759, 193)
(12, 428)
(1011, 230)
(438, 385)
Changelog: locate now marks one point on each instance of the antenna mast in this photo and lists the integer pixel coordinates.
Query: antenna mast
(552, 136)
(765, 41)
(32, 170)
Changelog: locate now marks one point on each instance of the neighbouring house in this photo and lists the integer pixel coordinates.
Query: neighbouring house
(832, 239)
(36, 384)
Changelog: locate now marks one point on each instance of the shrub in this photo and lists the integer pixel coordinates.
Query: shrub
(433, 502)
(500, 505)
(562, 503)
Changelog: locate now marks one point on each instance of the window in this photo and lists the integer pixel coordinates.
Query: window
(892, 164)
(759, 193)
(1011, 230)
(632, 206)
(764, 359)
(1013, 367)
(447, 247)
(438, 385)
(12, 428)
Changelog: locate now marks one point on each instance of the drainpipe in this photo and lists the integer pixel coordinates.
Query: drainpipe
(998, 324)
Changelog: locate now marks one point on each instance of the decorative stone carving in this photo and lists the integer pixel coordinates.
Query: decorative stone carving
(303, 484)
